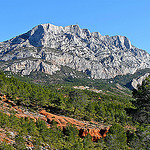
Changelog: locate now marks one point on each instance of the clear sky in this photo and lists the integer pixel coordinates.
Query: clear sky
(130, 18)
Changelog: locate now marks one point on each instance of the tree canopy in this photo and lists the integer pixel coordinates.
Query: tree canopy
(142, 102)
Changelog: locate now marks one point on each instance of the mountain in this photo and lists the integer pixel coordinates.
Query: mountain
(48, 48)
(138, 81)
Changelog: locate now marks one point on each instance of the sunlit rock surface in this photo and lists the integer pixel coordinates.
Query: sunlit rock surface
(47, 47)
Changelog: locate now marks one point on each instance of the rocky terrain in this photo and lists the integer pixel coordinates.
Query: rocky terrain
(95, 129)
(47, 48)
(138, 81)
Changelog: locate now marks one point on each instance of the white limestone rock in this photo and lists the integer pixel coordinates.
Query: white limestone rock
(28, 66)
(103, 56)
(138, 81)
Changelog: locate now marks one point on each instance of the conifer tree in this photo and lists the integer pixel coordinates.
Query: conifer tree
(142, 102)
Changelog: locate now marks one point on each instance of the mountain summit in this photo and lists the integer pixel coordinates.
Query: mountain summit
(48, 48)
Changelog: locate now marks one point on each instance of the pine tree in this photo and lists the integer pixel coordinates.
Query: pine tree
(116, 138)
(142, 102)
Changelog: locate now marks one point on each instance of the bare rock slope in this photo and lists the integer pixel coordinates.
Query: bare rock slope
(47, 48)
(138, 81)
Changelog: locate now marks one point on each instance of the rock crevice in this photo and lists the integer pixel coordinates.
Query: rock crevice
(105, 57)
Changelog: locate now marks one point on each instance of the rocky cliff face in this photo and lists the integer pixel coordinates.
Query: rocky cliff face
(138, 81)
(47, 47)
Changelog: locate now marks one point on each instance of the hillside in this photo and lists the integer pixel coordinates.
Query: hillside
(37, 116)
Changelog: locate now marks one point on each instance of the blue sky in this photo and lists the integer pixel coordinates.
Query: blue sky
(130, 18)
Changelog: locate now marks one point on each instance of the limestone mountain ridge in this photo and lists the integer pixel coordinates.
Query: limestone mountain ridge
(47, 48)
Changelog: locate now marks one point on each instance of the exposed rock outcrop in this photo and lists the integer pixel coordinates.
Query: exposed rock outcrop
(28, 66)
(95, 129)
(47, 47)
(138, 81)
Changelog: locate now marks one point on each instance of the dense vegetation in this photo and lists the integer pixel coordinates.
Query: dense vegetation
(38, 134)
(81, 104)
(142, 102)
(72, 77)
(109, 108)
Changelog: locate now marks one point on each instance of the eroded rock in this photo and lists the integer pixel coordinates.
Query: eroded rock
(47, 47)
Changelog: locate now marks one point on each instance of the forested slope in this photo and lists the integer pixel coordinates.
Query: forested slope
(116, 110)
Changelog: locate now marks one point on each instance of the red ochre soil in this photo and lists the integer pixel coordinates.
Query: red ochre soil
(95, 129)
